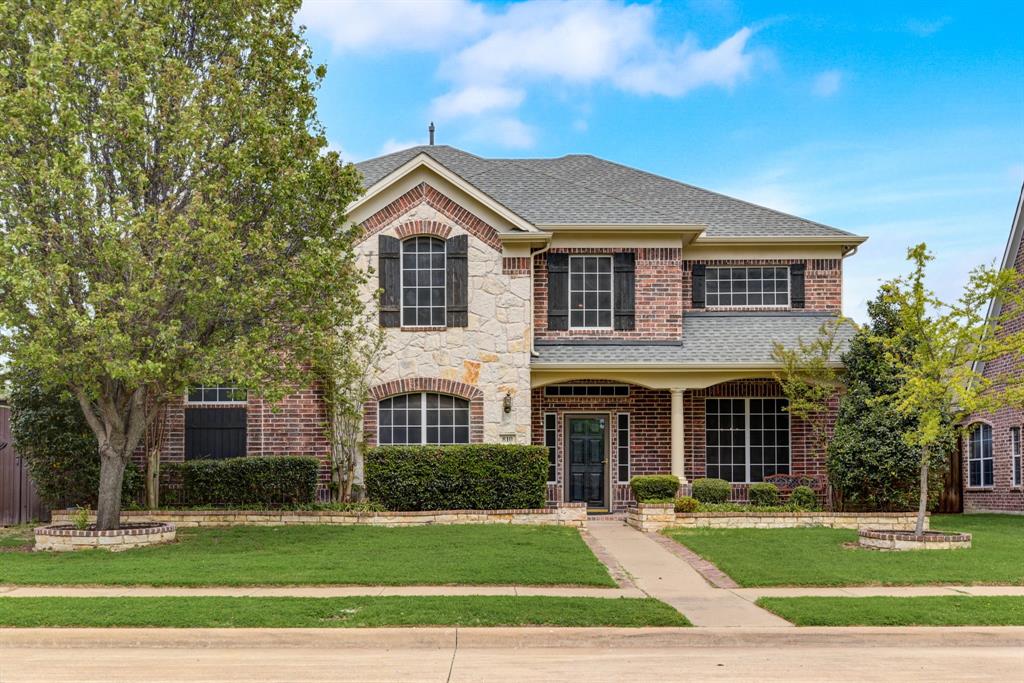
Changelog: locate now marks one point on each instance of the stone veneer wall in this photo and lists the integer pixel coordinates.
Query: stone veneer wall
(1002, 496)
(570, 514)
(491, 354)
(654, 517)
(649, 433)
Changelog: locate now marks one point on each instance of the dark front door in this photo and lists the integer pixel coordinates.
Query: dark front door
(587, 460)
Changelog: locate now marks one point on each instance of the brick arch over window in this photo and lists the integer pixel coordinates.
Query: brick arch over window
(419, 227)
(425, 194)
(429, 384)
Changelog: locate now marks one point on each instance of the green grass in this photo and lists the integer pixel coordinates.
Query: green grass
(225, 612)
(817, 557)
(245, 556)
(945, 610)
(16, 536)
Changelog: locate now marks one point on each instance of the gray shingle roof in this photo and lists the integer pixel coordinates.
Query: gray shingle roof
(709, 338)
(582, 189)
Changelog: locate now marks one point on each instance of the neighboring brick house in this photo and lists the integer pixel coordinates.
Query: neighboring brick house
(622, 319)
(992, 452)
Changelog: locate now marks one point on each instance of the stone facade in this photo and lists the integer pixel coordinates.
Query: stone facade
(491, 355)
(569, 514)
(1003, 495)
(63, 537)
(907, 540)
(654, 517)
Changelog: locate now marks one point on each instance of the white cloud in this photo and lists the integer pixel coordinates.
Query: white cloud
(505, 131)
(476, 99)
(492, 57)
(925, 28)
(394, 24)
(393, 145)
(827, 83)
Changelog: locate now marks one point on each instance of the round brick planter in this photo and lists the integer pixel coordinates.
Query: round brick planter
(64, 537)
(908, 540)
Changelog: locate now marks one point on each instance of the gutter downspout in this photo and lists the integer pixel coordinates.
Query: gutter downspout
(533, 330)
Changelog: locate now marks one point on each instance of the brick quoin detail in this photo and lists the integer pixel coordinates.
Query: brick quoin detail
(658, 302)
(1002, 495)
(418, 227)
(515, 266)
(431, 384)
(823, 281)
(425, 194)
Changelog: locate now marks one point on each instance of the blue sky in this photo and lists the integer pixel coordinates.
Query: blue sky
(902, 121)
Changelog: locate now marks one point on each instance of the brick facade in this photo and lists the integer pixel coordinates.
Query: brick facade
(650, 432)
(1002, 495)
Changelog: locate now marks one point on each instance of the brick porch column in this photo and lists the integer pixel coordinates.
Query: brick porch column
(677, 434)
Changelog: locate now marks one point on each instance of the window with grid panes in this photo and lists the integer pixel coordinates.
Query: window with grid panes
(423, 282)
(747, 286)
(590, 291)
(423, 418)
(746, 439)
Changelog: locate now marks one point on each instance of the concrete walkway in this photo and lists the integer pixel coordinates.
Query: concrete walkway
(662, 575)
(444, 655)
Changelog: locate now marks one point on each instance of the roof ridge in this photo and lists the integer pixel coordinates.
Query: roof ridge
(717, 194)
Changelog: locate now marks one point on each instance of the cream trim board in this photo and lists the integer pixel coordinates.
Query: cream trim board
(651, 377)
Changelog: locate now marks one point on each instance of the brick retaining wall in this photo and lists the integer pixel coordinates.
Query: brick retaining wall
(654, 517)
(568, 514)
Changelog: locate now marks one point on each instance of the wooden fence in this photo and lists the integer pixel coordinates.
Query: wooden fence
(19, 502)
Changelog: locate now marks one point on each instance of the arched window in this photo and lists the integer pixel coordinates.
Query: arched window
(979, 458)
(423, 282)
(423, 418)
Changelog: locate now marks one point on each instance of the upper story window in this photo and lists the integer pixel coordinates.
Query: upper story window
(747, 286)
(590, 292)
(423, 282)
(979, 457)
(205, 394)
(423, 418)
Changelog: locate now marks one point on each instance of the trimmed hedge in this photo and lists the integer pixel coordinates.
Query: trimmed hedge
(711, 490)
(804, 498)
(470, 477)
(648, 487)
(262, 481)
(764, 493)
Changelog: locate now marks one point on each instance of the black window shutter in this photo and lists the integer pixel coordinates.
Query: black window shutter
(625, 286)
(215, 433)
(389, 270)
(457, 280)
(796, 285)
(698, 285)
(558, 291)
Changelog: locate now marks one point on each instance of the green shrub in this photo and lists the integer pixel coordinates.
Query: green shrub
(265, 481)
(650, 486)
(764, 493)
(804, 498)
(745, 507)
(711, 490)
(471, 477)
(687, 504)
(51, 435)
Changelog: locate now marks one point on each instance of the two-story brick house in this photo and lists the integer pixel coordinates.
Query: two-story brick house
(622, 319)
(992, 469)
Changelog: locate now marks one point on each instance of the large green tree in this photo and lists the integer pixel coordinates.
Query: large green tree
(168, 214)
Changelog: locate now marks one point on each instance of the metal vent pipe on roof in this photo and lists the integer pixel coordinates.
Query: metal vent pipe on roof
(431, 131)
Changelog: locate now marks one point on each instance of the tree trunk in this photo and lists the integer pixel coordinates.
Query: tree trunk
(922, 503)
(153, 478)
(108, 510)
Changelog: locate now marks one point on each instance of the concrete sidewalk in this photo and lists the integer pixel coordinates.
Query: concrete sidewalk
(663, 575)
(507, 654)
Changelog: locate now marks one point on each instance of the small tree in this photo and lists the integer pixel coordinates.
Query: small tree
(345, 368)
(167, 213)
(937, 350)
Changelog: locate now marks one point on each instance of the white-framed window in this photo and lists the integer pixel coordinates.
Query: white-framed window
(205, 394)
(423, 282)
(746, 439)
(622, 432)
(590, 292)
(730, 286)
(979, 458)
(423, 418)
(1015, 455)
(551, 442)
(586, 390)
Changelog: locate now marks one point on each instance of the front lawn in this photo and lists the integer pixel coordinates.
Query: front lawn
(818, 557)
(16, 537)
(224, 612)
(945, 610)
(245, 556)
